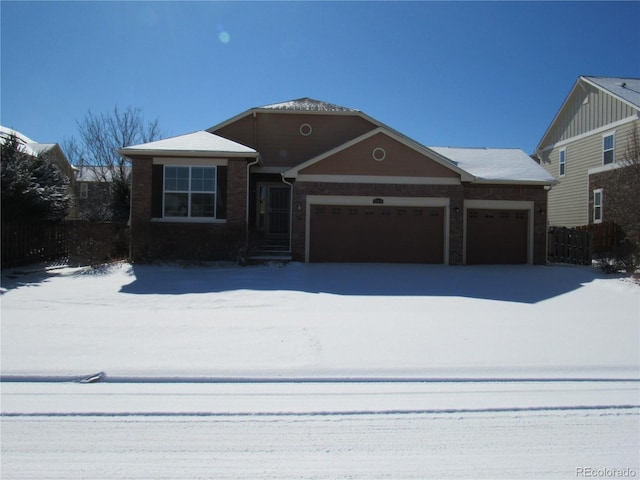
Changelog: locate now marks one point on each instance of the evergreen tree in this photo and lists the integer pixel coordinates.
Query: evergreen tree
(33, 187)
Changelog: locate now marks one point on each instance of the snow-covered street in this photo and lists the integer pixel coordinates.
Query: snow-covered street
(320, 371)
(419, 430)
(396, 446)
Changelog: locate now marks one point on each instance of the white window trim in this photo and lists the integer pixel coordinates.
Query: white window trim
(613, 148)
(562, 162)
(189, 218)
(600, 205)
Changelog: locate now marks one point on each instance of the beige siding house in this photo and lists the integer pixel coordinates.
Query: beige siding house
(588, 137)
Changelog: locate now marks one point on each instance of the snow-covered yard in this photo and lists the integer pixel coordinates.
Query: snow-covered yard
(336, 321)
(320, 371)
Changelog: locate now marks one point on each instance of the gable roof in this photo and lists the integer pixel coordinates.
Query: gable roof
(199, 143)
(307, 104)
(624, 89)
(435, 156)
(28, 146)
(497, 165)
(304, 105)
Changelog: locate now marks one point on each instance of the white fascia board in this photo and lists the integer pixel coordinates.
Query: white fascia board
(483, 181)
(609, 92)
(555, 117)
(126, 152)
(595, 131)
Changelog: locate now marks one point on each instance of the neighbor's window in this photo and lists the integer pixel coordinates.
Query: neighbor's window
(597, 206)
(563, 162)
(190, 192)
(84, 190)
(607, 148)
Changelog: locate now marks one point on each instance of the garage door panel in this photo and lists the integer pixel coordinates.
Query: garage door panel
(376, 234)
(497, 236)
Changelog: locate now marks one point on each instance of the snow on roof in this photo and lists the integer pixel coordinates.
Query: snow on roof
(497, 164)
(197, 142)
(308, 105)
(628, 89)
(29, 146)
(27, 143)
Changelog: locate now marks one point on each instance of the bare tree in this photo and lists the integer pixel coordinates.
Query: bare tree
(95, 152)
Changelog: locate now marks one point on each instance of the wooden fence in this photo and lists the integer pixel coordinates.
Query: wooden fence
(76, 242)
(569, 245)
(606, 237)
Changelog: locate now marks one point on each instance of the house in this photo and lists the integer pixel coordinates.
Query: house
(326, 183)
(587, 146)
(93, 191)
(52, 150)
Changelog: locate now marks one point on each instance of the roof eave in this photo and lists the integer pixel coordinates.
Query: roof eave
(488, 181)
(256, 110)
(555, 117)
(129, 153)
(613, 94)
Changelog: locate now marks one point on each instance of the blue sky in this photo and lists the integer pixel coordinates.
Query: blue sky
(444, 73)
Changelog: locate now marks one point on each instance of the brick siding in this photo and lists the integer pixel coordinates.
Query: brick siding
(187, 241)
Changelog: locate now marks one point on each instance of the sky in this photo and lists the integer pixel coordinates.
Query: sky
(468, 74)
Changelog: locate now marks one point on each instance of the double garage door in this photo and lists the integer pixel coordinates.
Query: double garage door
(397, 234)
(345, 233)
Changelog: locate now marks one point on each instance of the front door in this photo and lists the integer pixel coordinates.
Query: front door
(273, 209)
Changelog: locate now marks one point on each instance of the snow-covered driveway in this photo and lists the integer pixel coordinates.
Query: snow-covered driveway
(320, 371)
(327, 321)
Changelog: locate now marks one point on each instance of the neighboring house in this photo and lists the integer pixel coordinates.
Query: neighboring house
(585, 147)
(52, 150)
(331, 184)
(93, 190)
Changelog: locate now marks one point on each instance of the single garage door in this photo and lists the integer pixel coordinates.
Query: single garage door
(376, 234)
(497, 236)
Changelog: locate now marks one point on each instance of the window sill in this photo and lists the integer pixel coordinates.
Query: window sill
(188, 220)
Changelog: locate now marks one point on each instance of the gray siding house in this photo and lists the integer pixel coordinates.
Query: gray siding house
(584, 147)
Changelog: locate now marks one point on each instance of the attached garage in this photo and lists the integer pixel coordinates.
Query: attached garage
(376, 233)
(497, 236)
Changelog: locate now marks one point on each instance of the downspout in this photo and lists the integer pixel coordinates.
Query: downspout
(246, 227)
(284, 180)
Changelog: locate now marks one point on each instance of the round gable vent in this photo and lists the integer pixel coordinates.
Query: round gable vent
(305, 129)
(379, 154)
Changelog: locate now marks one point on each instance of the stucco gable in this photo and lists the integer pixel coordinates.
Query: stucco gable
(382, 153)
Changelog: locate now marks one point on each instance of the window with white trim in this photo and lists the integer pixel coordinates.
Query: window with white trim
(597, 206)
(608, 142)
(189, 192)
(563, 162)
